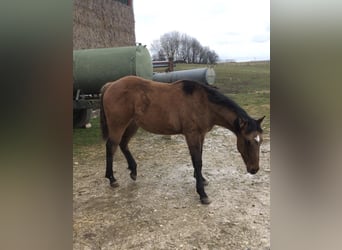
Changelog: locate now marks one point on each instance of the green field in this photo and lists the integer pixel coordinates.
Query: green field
(246, 83)
(249, 85)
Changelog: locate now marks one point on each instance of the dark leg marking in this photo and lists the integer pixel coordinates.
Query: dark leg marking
(196, 158)
(132, 165)
(110, 148)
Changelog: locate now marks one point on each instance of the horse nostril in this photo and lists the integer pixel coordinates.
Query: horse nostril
(253, 171)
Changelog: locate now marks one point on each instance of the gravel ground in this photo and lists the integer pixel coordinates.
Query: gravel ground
(161, 209)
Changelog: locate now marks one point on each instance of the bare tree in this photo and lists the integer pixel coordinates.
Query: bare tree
(195, 50)
(213, 57)
(182, 47)
(185, 48)
(155, 46)
(203, 55)
(157, 51)
(170, 43)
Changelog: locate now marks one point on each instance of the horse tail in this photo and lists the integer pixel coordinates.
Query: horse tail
(103, 120)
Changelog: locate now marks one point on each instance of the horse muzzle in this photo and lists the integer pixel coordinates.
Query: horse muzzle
(253, 170)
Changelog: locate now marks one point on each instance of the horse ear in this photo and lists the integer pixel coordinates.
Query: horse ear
(242, 122)
(239, 123)
(260, 120)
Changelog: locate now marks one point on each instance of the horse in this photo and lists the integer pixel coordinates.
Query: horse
(183, 107)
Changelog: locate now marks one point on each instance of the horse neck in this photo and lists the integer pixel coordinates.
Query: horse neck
(224, 117)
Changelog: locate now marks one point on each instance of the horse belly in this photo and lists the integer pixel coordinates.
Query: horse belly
(159, 123)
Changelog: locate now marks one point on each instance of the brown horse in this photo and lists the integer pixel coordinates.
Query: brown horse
(183, 107)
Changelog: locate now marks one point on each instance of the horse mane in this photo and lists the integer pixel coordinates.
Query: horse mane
(216, 97)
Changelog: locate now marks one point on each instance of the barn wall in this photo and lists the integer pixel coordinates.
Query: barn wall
(102, 24)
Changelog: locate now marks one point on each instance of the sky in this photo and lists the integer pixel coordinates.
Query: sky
(235, 29)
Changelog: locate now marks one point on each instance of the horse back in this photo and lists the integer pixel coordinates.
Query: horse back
(157, 107)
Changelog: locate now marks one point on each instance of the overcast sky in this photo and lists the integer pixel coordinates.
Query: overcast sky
(235, 29)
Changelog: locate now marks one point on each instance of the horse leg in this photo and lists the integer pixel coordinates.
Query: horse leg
(132, 165)
(110, 150)
(194, 145)
(205, 182)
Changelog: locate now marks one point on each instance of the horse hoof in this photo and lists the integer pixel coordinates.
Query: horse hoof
(205, 183)
(205, 201)
(133, 176)
(114, 184)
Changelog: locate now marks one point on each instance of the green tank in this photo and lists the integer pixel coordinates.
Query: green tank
(92, 68)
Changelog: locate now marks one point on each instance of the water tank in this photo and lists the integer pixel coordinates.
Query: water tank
(92, 68)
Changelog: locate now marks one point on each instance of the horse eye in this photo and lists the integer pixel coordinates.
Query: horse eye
(248, 142)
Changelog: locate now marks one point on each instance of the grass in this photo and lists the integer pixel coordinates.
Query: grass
(249, 85)
(87, 137)
(246, 83)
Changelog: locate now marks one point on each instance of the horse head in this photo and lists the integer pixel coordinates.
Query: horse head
(249, 139)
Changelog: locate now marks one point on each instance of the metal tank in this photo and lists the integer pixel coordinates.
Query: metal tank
(92, 68)
(204, 75)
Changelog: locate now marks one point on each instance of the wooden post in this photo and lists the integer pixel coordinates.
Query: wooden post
(170, 64)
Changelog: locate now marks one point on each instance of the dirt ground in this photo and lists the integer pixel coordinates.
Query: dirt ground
(161, 209)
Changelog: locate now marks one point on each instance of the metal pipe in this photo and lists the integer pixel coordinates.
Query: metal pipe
(203, 75)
